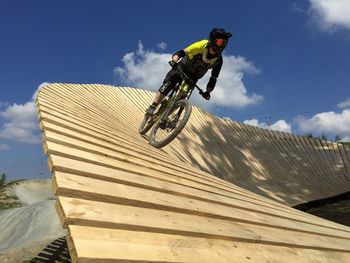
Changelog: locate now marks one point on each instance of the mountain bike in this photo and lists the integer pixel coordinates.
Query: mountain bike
(173, 113)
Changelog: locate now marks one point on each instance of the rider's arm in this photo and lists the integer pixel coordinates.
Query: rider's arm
(196, 48)
(214, 75)
(178, 54)
(191, 50)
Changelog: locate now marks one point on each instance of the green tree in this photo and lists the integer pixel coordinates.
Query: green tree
(337, 138)
(324, 137)
(310, 135)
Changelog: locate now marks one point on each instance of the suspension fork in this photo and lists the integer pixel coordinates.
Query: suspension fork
(188, 95)
(173, 98)
(179, 94)
(168, 108)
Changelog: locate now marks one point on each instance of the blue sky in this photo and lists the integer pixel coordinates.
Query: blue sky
(286, 66)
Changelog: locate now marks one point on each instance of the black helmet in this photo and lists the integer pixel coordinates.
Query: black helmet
(218, 39)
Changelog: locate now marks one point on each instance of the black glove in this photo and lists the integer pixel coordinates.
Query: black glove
(206, 95)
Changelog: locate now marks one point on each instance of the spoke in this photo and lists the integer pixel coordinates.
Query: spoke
(162, 134)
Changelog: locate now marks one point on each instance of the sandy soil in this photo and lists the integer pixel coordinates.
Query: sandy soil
(23, 254)
(32, 222)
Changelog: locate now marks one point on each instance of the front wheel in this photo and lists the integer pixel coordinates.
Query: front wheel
(146, 124)
(167, 128)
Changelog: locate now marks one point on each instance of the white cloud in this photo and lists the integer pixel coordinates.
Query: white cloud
(143, 69)
(38, 89)
(330, 123)
(345, 139)
(255, 123)
(295, 8)
(147, 69)
(162, 45)
(344, 104)
(230, 90)
(331, 14)
(21, 122)
(280, 125)
(21, 115)
(4, 147)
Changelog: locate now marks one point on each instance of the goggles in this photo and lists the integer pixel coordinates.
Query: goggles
(219, 42)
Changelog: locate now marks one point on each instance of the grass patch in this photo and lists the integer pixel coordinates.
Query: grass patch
(7, 198)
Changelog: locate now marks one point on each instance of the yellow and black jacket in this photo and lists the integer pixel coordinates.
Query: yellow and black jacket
(197, 60)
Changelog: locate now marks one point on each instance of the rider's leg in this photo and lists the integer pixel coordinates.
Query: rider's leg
(171, 79)
(158, 99)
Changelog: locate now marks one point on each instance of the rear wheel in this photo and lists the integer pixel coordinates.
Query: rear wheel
(165, 131)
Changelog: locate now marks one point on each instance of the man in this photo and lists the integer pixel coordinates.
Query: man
(196, 60)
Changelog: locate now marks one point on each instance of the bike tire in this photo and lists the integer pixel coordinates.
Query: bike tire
(180, 125)
(145, 125)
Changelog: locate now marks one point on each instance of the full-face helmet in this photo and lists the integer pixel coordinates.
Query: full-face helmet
(218, 39)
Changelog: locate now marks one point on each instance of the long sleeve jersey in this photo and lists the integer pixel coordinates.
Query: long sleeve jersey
(197, 60)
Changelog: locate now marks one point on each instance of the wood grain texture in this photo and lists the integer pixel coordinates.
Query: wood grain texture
(222, 191)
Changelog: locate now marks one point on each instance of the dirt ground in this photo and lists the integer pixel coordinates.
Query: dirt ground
(23, 254)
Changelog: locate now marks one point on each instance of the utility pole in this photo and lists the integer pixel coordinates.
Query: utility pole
(3, 179)
(268, 121)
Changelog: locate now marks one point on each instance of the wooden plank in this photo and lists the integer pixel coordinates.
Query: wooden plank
(325, 187)
(172, 175)
(101, 245)
(193, 173)
(228, 170)
(69, 122)
(318, 165)
(337, 172)
(340, 166)
(123, 193)
(150, 162)
(84, 165)
(98, 214)
(107, 177)
(88, 111)
(301, 175)
(284, 181)
(345, 161)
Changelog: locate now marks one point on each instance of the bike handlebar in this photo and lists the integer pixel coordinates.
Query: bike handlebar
(179, 69)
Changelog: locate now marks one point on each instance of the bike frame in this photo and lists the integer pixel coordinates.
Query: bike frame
(167, 117)
(183, 91)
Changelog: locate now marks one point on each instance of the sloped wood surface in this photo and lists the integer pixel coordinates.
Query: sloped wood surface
(220, 192)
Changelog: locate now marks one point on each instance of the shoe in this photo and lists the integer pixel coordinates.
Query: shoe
(150, 110)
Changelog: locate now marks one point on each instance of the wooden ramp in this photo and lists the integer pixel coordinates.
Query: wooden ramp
(220, 192)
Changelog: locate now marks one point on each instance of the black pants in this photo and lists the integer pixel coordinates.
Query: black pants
(170, 81)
